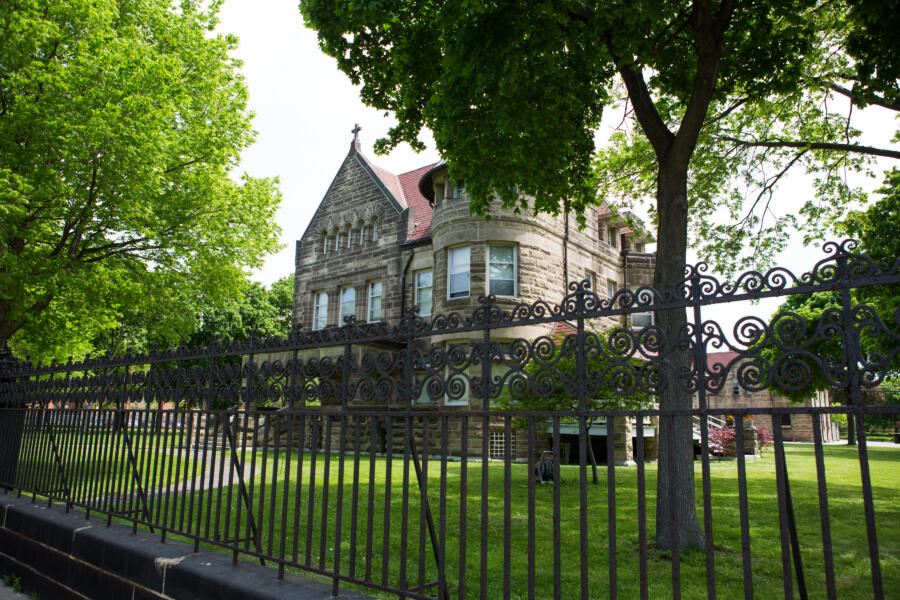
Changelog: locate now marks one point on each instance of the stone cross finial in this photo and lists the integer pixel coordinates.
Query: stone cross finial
(355, 131)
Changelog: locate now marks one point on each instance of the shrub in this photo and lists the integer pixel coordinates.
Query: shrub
(722, 440)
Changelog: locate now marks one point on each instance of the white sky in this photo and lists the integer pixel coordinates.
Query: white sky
(305, 109)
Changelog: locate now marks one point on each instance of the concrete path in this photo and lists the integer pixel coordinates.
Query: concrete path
(6, 593)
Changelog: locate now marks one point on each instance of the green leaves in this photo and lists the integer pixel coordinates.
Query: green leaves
(120, 122)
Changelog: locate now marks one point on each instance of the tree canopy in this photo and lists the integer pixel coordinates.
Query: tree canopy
(253, 310)
(120, 123)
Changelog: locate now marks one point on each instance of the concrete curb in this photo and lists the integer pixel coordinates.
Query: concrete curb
(62, 555)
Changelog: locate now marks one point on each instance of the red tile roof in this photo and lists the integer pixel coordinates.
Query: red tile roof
(409, 184)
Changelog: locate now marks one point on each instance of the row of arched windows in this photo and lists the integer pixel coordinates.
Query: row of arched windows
(349, 237)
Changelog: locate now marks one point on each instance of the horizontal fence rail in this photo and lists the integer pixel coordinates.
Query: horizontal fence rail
(451, 457)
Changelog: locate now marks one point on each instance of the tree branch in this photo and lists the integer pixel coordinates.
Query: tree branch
(871, 150)
(873, 100)
(654, 127)
(709, 36)
(185, 164)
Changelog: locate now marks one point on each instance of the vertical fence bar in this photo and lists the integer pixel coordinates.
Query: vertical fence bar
(824, 517)
(673, 514)
(792, 528)
(557, 559)
(388, 473)
(223, 426)
(613, 587)
(422, 475)
(782, 511)
(507, 506)
(742, 504)
(326, 487)
(404, 506)
(342, 445)
(354, 499)
(532, 475)
(370, 496)
(463, 502)
(285, 493)
(442, 511)
(298, 489)
(641, 509)
(273, 489)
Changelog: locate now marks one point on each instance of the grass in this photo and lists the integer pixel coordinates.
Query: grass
(284, 515)
(848, 527)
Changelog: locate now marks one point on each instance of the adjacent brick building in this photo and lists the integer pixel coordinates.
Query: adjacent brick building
(796, 427)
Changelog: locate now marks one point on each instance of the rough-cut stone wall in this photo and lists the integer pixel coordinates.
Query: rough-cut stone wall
(541, 244)
(355, 199)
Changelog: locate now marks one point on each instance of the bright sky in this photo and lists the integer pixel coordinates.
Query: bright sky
(305, 109)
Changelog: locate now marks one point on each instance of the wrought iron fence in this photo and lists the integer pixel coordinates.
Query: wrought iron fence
(400, 458)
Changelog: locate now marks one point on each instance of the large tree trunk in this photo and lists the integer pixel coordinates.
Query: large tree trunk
(671, 256)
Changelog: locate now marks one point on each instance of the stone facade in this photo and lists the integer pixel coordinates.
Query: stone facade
(420, 217)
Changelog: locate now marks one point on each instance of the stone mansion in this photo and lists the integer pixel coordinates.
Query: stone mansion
(379, 243)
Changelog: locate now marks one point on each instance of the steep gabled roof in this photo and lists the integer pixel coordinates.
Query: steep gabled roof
(391, 182)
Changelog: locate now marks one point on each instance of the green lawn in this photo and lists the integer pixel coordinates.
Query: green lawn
(844, 495)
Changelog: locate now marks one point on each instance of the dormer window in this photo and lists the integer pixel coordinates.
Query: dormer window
(613, 237)
(455, 189)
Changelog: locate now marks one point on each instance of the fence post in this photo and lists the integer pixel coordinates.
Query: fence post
(853, 356)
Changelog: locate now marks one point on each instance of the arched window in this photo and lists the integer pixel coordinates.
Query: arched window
(324, 244)
(366, 234)
(375, 230)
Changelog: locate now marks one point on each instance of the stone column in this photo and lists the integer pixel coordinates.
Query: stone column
(751, 440)
(623, 432)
